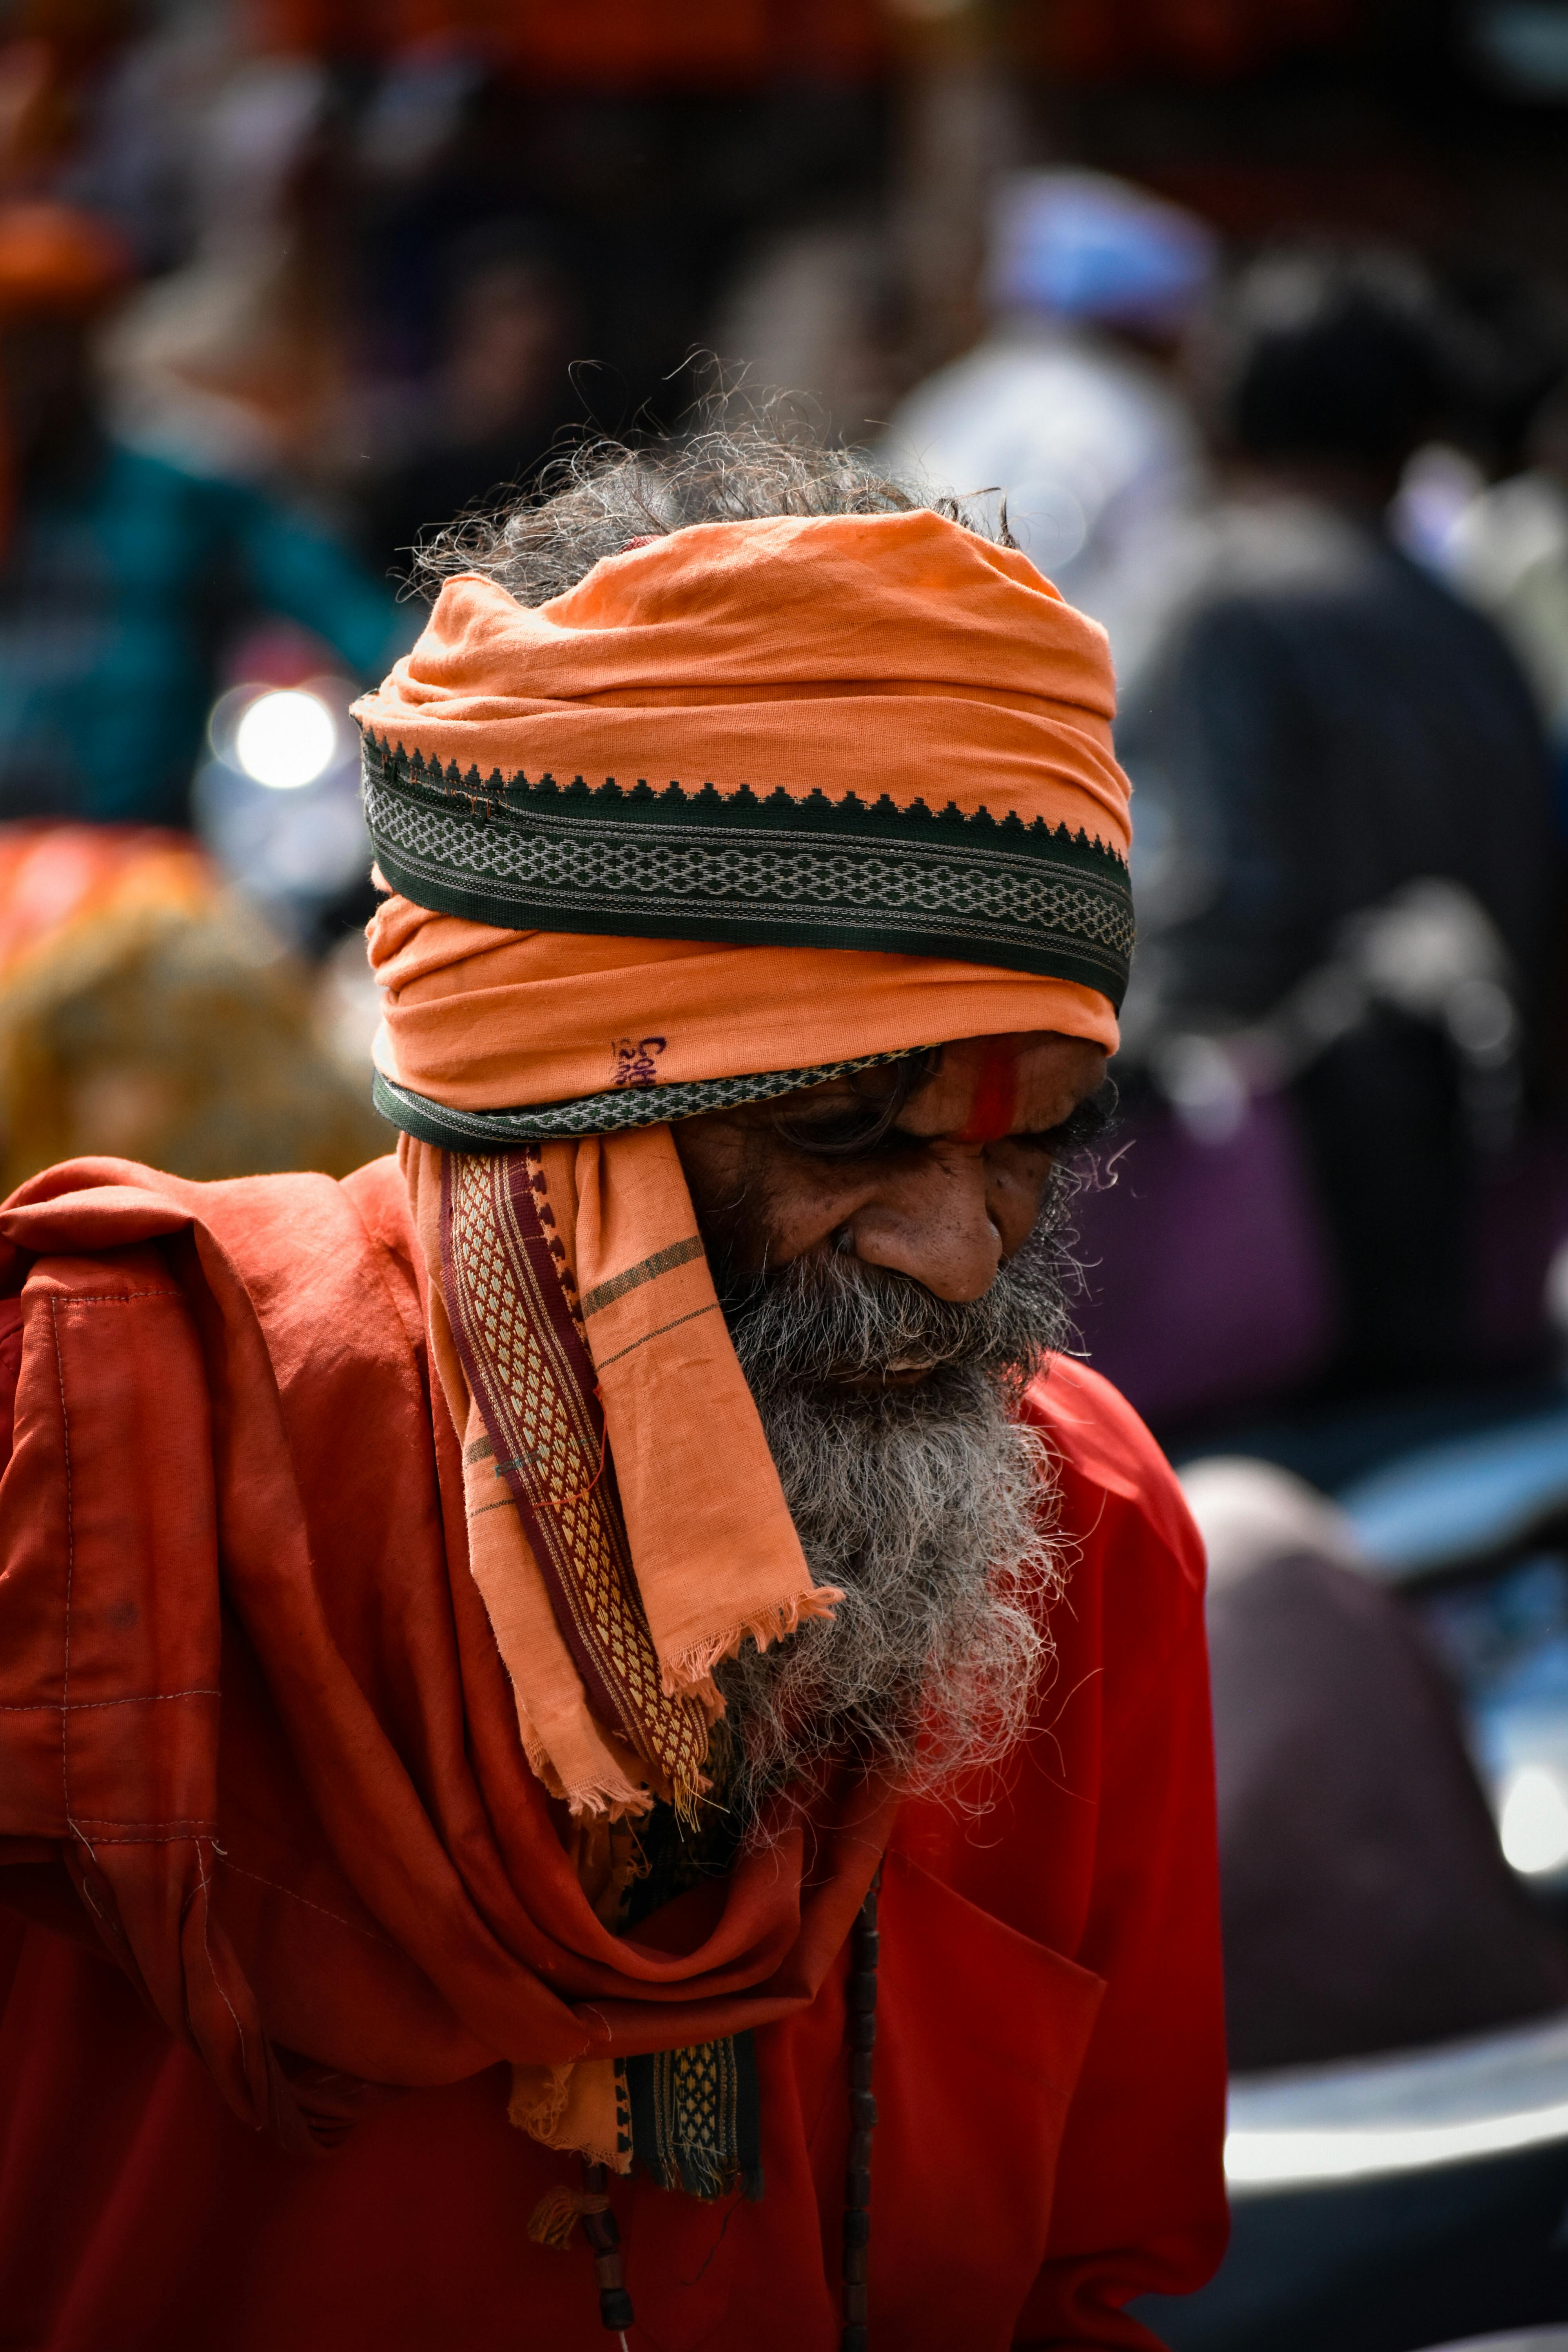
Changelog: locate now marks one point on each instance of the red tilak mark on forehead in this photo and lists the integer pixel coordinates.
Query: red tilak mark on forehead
(996, 1098)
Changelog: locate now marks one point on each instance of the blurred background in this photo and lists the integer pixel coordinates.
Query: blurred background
(1255, 315)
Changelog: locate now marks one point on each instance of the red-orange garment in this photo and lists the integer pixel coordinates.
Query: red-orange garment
(208, 1376)
(361, 1885)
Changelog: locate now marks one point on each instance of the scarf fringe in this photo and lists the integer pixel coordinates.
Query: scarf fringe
(576, 2108)
(619, 1801)
(538, 2100)
(554, 2219)
(622, 1801)
(692, 1670)
(609, 1792)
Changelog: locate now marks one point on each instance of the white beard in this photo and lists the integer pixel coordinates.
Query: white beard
(931, 1507)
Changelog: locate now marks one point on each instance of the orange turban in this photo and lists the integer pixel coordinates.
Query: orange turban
(752, 802)
(755, 797)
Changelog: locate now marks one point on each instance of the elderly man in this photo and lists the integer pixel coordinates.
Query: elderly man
(601, 1678)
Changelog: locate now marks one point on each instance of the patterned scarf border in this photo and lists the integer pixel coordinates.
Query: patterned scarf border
(523, 1351)
(695, 2118)
(610, 1113)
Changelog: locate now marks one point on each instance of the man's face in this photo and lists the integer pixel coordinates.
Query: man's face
(870, 1242)
(945, 1192)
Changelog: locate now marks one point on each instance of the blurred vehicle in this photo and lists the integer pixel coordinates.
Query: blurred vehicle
(1475, 1535)
(1383, 2198)
(1375, 2207)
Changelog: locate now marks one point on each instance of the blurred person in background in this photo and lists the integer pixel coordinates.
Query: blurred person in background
(122, 573)
(494, 402)
(819, 309)
(1350, 793)
(147, 1015)
(1508, 551)
(1067, 406)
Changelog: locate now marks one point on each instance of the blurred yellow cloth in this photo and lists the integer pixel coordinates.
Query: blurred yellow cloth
(146, 1016)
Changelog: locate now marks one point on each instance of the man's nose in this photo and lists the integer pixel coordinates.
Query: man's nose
(933, 1222)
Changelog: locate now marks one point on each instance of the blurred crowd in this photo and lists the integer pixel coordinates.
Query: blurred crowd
(280, 301)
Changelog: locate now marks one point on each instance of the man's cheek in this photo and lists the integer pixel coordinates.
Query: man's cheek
(803, 1204)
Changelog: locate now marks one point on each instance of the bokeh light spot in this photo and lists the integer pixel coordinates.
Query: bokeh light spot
(285, 739)
(1532, 1823)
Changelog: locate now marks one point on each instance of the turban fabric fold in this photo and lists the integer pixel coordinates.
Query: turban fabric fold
(870, 731)
(752, 804)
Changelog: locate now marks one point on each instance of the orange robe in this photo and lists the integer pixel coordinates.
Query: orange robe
(279, 1897)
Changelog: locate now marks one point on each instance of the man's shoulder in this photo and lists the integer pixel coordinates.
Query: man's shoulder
(96, 1195)
(284, 1236)
(1106, 1454)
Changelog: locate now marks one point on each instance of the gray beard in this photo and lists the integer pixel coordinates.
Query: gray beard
(929, 1506)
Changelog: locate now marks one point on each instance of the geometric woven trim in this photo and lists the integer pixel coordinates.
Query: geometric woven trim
(696, 2122)
(530, 854)
(529, 1373)
(611, 1113)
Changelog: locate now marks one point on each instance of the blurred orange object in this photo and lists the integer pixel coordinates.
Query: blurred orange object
(611, 43)
(54, 258)
(147, 1013)
(54, 878)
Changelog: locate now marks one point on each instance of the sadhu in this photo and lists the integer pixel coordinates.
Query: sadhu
(603, 1678)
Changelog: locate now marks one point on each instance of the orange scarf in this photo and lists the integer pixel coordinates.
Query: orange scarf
(611, 1663)
(893, 652)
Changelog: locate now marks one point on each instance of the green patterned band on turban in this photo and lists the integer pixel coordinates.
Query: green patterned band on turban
(613, 1112)
(530, 854)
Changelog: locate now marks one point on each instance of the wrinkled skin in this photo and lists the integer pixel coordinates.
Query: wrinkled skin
(950, 1191)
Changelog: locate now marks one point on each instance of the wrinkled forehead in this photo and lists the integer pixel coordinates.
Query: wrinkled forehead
(986, 1088)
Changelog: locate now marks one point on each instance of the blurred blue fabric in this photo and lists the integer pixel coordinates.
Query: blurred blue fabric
(1083, 245)
(115, 594)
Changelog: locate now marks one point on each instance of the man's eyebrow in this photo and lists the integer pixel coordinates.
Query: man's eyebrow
(842, 1130)
(1086, 1122)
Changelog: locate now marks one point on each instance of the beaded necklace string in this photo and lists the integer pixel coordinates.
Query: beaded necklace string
(600, 2229)
(861, 1999)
